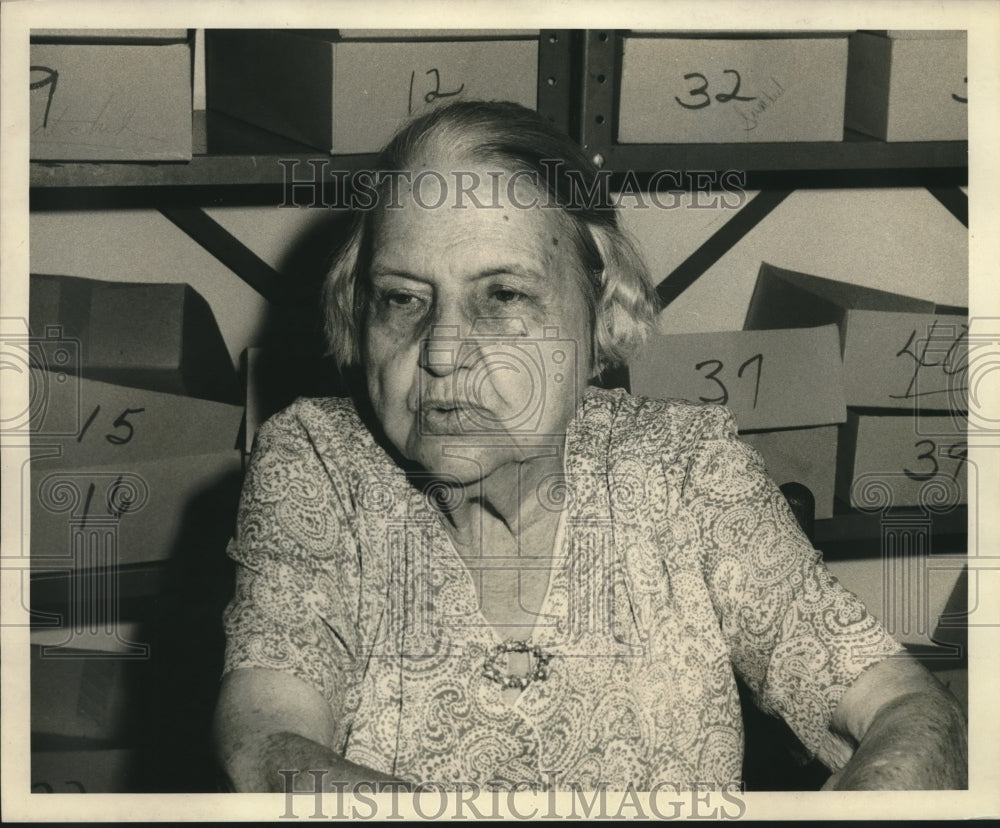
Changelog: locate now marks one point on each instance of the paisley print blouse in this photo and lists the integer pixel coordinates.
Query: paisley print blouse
(679, 562)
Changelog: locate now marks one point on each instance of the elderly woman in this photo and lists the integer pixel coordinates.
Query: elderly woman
(483, 570)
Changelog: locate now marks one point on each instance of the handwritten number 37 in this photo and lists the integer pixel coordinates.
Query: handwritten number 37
(713, 375)
(702, 91)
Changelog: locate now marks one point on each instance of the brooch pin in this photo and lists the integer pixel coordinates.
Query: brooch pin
(537, 658)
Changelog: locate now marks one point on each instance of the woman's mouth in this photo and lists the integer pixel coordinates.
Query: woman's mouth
(450, 417)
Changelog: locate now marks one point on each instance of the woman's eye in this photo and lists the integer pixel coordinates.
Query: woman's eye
(506, 295)
(396, 299)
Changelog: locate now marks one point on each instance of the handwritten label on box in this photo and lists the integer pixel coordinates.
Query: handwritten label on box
(892, 453)
(110, 101)
(368, 107)
(906, 360)
(770, 379)
(98, 423)
(694, 90)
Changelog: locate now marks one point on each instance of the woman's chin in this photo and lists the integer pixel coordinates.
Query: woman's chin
(463, 459)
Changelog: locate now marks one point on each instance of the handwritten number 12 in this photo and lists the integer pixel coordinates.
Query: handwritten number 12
(434, 94)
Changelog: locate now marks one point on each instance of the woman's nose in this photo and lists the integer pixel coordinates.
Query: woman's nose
(439, 349)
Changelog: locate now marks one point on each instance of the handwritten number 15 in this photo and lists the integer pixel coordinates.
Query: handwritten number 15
(702, 91)
(121, 422)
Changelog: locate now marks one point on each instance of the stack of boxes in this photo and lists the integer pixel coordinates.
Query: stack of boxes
(111, 95)
(908, 85)
(348, 91)
(751, 87)
(784, 386)
(712, 87)
(858, 394)
(135, 415)
(903, 383)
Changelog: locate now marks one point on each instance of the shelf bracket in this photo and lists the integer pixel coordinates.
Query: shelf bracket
(229, 250)
(719, 243)
(954, 201)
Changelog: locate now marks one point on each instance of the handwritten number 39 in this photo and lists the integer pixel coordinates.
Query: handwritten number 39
(702, 91)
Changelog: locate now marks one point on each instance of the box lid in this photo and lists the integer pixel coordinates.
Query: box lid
(109, 35)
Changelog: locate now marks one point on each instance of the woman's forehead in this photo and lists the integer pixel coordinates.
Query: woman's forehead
(426, 231)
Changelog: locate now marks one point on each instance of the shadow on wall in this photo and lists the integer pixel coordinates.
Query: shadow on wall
(185, 621)
(292, 359)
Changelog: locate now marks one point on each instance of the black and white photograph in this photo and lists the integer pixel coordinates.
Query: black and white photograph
(484, 411)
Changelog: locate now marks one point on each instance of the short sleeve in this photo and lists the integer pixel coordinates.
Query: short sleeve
(295, 602)
(796, 636)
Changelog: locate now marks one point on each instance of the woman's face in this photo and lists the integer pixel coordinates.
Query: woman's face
(477, 340)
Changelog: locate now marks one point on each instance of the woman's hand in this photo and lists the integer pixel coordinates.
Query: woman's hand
(271, 729)
(911, 732)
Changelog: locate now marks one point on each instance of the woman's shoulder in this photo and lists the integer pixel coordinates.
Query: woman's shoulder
(656, 423)
(327, 422)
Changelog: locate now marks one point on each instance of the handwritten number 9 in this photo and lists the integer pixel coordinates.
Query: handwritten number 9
(959, 452)
(50, 80)
(721, 97)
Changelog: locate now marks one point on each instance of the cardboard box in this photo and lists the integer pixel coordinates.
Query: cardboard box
(110, 102)
(732, 90)
(434, 34)
(902, 87)
(919, 34)
(84, 422)
(85, 771)
(111, 35)
(125, 640)
(890, 457)
(92, 695)
(350, 97)
(161, 337)
(897, 351)
(906, 592)
(801, 455)
(83, 519)
(770, 379)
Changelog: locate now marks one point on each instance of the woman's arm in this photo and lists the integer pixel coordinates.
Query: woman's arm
(269, 721)
(910, 730)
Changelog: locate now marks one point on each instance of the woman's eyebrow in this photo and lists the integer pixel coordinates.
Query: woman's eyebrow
(509, 270)
(393, 272)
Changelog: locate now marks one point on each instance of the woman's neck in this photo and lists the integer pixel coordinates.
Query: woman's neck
(509, 503)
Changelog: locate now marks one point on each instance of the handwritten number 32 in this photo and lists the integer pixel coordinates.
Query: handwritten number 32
(702, 91)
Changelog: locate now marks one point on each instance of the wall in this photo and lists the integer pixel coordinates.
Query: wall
(895, 239)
